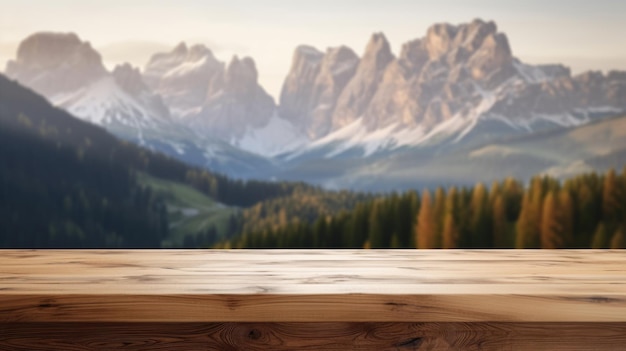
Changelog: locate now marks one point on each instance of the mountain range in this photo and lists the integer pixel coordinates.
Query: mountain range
(453, 107)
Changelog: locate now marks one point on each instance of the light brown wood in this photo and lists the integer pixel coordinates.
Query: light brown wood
(313, 336)
(312, 286)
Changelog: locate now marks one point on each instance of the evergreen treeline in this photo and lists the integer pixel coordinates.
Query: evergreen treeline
(588, 211)
(22, 109)
(56, 197)
(68, 183)
(304, 205)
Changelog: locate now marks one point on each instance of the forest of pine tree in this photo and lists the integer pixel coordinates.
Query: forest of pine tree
(588, 211)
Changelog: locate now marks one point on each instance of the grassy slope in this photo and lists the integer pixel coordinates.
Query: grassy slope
(190, 211)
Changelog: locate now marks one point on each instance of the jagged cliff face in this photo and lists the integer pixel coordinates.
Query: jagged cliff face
(313, 87)
(441, 74)
(219, 100)
(423, 85)
(52, 63)
(356, 96)
(70, 73)
(130, 80)
(458, 87)
(183, 77)
(453, 75)
(236, 102)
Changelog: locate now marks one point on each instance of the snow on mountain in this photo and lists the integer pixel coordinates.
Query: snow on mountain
(70, 73)
(104, 102)
(277, 137)
(222, 101)
(183, 77)
(457, 85)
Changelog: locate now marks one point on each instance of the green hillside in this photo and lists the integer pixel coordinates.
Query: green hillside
(190, 212)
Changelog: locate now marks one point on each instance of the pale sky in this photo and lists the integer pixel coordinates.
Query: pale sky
(579, 33)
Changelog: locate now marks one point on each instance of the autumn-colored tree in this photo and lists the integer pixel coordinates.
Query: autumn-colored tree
(500, 225)
(450, 233)
(425, 230)
(550, 223)
(556, 220)
(549, 213)
(528, 233)
(566, 214)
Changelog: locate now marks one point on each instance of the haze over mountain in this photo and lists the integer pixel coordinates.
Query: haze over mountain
(70, 73)
(343, 120)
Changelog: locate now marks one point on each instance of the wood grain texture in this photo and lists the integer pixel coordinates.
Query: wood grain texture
(150, 286)
(313, 336)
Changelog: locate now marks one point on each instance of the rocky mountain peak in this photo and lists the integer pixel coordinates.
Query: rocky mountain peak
(493, 55)
(183, 76)
(340, 54)
(295, 97)
(55, 62)
(129, 79)
(339, 65)
(413, 56)
(53, 49)
(218, 99)
(313, 85)
(470, 36)
(439, 39)
(241, 75)
(181, 48)
(358, 92)
(237, 102)
(308, 53)
(196, 57)
(198, 52)
(377, 53)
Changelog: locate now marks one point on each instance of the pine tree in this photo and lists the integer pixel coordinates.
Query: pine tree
(377, 235)
(550, 226)
(611, 197)
(566, 215)
(524, 225)
(439, 206)
(500, 226)
(528, 233)
(587, 214)
(512, 192)
(425, 231)
(599, 240)
(450, 230)
(557, 220)
(619, 240)
(480, 226)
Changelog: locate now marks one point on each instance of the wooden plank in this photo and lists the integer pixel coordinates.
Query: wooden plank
(312, 286)
(313, 336)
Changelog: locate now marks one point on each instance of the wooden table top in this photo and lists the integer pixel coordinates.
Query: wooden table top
(312, 286)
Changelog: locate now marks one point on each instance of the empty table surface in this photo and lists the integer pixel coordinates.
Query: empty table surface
(312, 286)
